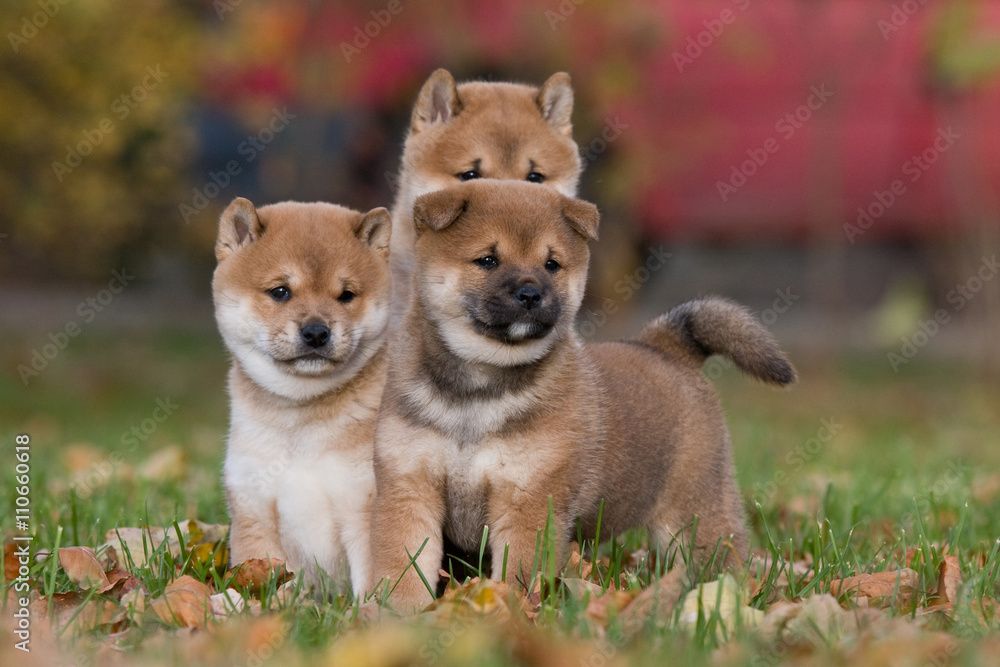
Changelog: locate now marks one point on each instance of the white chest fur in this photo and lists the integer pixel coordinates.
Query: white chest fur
(319, 489)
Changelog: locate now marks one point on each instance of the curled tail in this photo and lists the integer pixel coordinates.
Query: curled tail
(698, 329)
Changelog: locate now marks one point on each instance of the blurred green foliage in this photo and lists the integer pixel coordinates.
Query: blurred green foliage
(92, 145)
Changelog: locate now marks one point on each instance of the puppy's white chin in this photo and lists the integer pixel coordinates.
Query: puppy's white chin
(311, 378)
(521, 330)
(465, 343)
(312, 367)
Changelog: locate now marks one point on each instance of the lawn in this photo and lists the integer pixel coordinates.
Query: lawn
(856, 470)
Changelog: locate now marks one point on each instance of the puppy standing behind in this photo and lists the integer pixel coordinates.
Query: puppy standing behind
(301, 297)
(480, 130)
(493, 404)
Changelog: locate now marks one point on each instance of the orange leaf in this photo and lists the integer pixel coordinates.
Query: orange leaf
(656, 603)
(186, 602)
(252, 574)
(949, 579)
(879, 586)
(83, 569)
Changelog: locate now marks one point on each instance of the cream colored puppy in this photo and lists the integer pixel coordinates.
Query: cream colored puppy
(301, 297)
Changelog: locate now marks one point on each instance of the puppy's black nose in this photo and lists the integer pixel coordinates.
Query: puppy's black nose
(315, 335)
(528, 296)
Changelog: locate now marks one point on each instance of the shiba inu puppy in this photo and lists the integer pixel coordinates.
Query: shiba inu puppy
(301, 297)
(493, 404)
(480, 130)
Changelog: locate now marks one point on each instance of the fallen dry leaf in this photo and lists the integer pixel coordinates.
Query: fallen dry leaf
(481, 597)
(122, 582)
(202, 539)
(816, 621)
(581, 588)
(949, 579)
(656, 603)
(252, 574)
(880, 587)
(577, 565)
(722, 598)
(83, 569)
(185, 602)
(227, 602)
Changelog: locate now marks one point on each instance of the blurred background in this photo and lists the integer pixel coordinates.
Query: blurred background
(834, 164)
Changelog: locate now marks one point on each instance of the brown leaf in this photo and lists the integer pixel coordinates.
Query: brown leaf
(481, 597)
(949, 579)
(121, 583)
(656, 603)
(83, 569)
(879, 587)
(581, 588)
(185, 602)
(252, 574)
(577, 566)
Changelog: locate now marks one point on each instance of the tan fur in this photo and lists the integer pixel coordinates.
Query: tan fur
(298, 471)
(501, 130)
(480, 425)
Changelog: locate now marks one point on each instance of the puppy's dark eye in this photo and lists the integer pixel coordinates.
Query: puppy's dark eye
(488, 262)
(470, 175)
(280, 294)
(552, 266)
(535, 177)
(346, 296)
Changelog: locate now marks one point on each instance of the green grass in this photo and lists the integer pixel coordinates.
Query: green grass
(843, 474)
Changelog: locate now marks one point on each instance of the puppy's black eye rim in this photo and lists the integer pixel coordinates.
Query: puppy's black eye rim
(535, 177)
(552, 266)
(346, 296)
(280, 293)
(488, 262)
(470, 175)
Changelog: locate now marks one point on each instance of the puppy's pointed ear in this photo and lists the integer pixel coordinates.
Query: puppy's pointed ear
(436, 210)
(437, 102)
(555, 100)
(239, 226)
(582, 216)
(374, 228)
